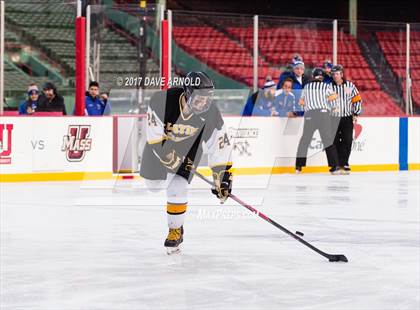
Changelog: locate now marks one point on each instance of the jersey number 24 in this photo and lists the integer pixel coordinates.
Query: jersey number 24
(223, 141)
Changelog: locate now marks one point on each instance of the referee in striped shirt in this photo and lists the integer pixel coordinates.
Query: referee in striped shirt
(349, 107)
(317, 99)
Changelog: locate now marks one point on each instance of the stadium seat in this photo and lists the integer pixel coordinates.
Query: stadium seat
(393, 44)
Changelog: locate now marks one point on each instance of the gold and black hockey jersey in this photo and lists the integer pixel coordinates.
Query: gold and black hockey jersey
(169, 129)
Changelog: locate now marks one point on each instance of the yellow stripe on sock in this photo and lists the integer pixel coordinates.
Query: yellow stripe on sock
(176, 208)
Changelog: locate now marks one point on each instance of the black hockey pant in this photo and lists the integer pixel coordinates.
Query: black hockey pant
(343, 138)
(317, 120)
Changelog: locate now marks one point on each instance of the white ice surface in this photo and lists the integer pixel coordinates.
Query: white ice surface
(99, 245)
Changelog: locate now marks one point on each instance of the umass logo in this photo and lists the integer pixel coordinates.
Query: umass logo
(6, 143)
(77, 142)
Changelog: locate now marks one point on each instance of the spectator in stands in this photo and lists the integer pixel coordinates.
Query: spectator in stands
(50, 100)
(261, 103)
(289, 69)
(297, 76)
(30, 105)
(296, 57)
(96, 104)
(285, 101)
(327, 66)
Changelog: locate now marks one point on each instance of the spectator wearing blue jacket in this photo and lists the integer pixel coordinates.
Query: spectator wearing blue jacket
(327, 66)
(261, 103)
(30, 105)
(96, 105)
(285, 101)
(297, 76)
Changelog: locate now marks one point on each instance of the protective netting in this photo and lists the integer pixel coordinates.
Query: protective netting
(39, 47)
(373, 58)
(201, 41)
(124, 49)
(415, 65)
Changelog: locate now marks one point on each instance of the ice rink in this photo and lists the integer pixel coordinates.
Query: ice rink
(99, 245)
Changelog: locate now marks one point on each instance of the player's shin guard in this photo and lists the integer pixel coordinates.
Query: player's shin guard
(176, 214)
(176, 209)
(176, 195)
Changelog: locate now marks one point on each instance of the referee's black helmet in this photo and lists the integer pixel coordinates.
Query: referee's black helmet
(317, 73)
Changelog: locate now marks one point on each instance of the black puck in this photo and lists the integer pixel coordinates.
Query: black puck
(299, 233)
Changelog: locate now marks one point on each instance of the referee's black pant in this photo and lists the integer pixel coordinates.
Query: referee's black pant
(343, 138)
(317, 120)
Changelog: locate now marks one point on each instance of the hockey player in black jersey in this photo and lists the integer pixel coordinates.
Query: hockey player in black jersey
(180, 122)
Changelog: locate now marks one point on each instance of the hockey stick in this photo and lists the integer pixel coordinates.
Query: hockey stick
(330, 257)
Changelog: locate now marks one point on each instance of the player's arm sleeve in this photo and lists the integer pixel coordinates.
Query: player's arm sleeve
(155, 132)
(219, 148)
(218, 145)
(356, 101)
(332, 97)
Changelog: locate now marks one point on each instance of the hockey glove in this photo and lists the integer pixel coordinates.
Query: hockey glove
(223, 182)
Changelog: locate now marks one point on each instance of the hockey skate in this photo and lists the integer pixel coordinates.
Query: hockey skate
(174, 240)
(345, 170)
(335, 171)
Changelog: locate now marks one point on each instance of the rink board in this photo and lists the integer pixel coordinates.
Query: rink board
(375, 145)
(52, 148)
(413, 143)
(77, 148)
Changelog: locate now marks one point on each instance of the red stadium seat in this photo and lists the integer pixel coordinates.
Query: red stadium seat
(393, 45)
(232, 56)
